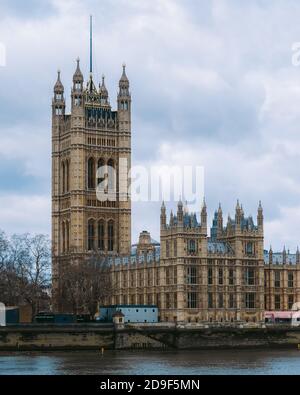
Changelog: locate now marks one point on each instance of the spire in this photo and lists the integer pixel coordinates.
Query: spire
(78, 77)
(124, 82)
(260, 216)
(284, 256)
(220, 219)
(103, 92)
(238, 213)
(297, 256)
(58, 87)
(163, 217)
(91, 44)
(180, 211)
(270, 256)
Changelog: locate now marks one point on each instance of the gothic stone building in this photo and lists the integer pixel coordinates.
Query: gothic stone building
(189, 275)
(91, 137)
(227, 277)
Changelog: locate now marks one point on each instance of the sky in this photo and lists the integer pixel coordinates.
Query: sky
(213, 84)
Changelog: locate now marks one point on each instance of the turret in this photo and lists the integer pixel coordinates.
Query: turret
(124, 97)
(77, 90)
(271, 256)
(297, 256)
(171, 219)
(238, 215)
(58, 103)
(163, 217)
(180, 212)
(220, 220)
(260, 217)
(103, 93)
(284, 256)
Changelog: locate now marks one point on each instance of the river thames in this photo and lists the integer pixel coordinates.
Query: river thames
(257, 362)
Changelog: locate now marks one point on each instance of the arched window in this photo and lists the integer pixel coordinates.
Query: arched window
(67, 236)
(91, 173)
(110, 234)
(67, 170)
(63, 237)
(63, 169)
(101, 171)
(101, 235)
(91, 235)
(111, 176)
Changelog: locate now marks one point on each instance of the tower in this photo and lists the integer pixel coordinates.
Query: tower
(91, 158)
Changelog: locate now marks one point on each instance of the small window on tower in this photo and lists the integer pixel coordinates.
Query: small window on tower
(77, 101)
(58, 96)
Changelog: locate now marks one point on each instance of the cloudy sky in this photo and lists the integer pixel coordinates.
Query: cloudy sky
(212, 81)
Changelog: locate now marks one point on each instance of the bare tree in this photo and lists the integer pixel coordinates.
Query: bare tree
(24, 269)
(86, 284)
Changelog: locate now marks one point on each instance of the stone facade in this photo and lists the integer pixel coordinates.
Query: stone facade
(224, 278)
(191, 276)
(91, 154)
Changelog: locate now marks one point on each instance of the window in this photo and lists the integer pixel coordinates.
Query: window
(192, 275)
(191, 246)
(110, 233)
(91, 235)
(277, 302)
(192, 300)
(77, 101)
(100, 171)
(220, 276)
(231, 301)
(249, 248)
(58, 96)
(231, 277)
(210, 276)
(290, 301)
(210, 300)
(78, 86)
(220, 301)
(250, 276)
(277, 279)
(63, 237)
(291, 280)
(168, 301)
(111, 176)
(250, 300)
(67, 236)
(91, 173)
(101, 233)
(167, 249)
(175, 248)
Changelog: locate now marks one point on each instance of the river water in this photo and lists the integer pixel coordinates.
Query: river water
(258, 362)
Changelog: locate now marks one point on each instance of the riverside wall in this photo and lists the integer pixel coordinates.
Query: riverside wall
(96, 337)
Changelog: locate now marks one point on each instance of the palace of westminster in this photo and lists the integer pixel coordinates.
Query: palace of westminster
(192, 276)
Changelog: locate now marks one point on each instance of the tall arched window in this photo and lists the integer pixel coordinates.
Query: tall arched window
(63, 169)
(67, 176)
(101, 235)
(111, 176)
(91, 173)
(63, 233)
(67, 235)
(101, 164)
(91, 235)
(110, 234)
